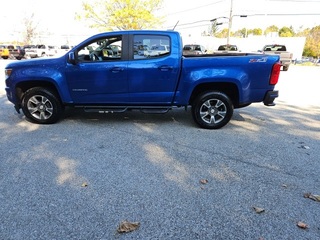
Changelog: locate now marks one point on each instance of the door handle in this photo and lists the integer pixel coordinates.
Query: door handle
(165, 68)
(116, 69)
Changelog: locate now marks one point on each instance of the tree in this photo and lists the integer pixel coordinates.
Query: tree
(270, 29)
(213, 29)
(241, 33)
(303, 32)
(255, 31)
(286, 32)
(312, 46)
(222, 34)
(121, 14)
(31, 29)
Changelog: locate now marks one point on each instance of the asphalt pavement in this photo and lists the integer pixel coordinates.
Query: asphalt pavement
(80, 178)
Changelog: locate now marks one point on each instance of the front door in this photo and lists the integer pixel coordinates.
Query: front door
(100, 75)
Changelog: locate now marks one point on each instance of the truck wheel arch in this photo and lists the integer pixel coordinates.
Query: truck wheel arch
(230, 89)
(23, 87)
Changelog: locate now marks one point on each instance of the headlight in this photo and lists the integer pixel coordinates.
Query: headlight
(8, 72)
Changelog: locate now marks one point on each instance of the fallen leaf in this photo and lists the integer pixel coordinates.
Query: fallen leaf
(284, 185)
(302, 225)
(85, 184)
(306, 195)
(204, 181)
(126, 226)
(304, 147)
(314, 197)
(258, 210)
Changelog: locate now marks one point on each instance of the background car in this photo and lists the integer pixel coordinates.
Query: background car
(193, 49)
(4, 52)
(12, 51)
(227, 48)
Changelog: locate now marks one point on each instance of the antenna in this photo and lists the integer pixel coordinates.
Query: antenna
(175, 25)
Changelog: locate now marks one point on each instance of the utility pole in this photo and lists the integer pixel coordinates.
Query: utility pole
(230, 22)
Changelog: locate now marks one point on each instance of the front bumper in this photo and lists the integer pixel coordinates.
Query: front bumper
(269, 98)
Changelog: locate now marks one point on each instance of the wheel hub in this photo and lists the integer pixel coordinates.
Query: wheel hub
(213, 111)
(42, 107)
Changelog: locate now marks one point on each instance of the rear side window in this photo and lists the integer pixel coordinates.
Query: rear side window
(275, 48)
(151, 46)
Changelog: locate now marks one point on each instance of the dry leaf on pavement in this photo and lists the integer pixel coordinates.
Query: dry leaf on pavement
(314, 197)
(85, 184)
(258, 210)
(126, 226)
(302, 225)
(204, 181)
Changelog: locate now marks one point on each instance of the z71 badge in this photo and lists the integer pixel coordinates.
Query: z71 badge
(258, 60)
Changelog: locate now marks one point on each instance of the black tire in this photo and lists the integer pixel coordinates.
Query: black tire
(41, 105)
(285, 68)
(212, 110)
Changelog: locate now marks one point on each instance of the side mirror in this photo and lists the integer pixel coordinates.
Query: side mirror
(72, 58)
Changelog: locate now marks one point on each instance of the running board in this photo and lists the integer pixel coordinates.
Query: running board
(105, 110)
(155, 110)
(121, 109)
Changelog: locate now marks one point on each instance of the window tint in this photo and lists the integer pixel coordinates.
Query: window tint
(275, 48)
(150, 46)
(104, 49)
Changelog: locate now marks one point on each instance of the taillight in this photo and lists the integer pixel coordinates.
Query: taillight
(275, 73)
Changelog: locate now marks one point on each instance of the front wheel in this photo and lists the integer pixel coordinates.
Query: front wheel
(212, 110)
(41, 105)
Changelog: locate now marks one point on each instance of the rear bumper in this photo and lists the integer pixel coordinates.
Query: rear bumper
(269, 98)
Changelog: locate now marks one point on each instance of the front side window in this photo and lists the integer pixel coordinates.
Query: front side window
(104, 49)
(151, 46)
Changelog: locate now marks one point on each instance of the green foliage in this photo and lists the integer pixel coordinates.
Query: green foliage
(222, 34)
(213, 29)
(256, 31)
(242, 33)
(121, 14)
(286, 32)
(270, 29)
(312, 46)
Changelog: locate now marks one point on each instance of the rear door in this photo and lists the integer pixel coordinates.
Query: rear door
(153, 73)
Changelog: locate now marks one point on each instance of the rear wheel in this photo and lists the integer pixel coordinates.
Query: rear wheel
(212, 110)
(41, 105)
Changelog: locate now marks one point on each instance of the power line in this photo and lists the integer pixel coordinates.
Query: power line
(283, 14)
(192, 9)
(304, 1)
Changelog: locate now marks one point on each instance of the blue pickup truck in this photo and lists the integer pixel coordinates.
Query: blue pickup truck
(141, 70)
